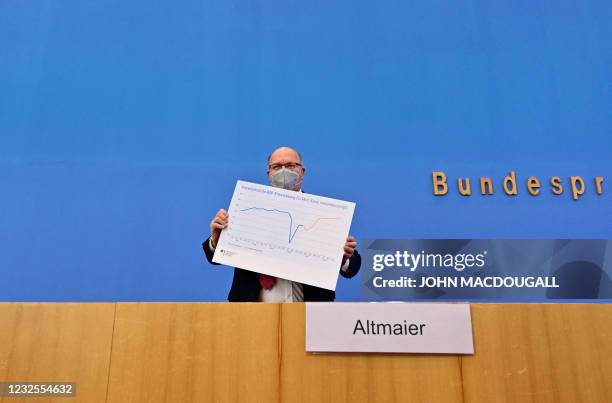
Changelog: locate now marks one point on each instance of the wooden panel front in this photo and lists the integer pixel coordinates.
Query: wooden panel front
(540, 353)
(308, 377)
(57, 342)
(185, 352)
(209, 352)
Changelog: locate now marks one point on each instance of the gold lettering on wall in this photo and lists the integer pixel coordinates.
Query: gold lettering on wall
(577, 186)
(510, 179)
(440, 188)
(464, 188)
(510, 184)
(488, 184)
(557, 188)
(599, 184)
(533, 186)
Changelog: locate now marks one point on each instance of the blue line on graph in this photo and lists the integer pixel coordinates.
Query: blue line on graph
(292, 232)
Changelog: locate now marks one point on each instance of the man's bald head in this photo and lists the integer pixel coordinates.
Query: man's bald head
(284, 153)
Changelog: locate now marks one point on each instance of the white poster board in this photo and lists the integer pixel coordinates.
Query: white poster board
(286, 234)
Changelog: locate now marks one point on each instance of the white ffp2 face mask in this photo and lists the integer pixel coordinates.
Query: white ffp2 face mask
(285, 179)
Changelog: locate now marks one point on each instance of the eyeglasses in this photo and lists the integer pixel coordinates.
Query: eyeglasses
(292, 166)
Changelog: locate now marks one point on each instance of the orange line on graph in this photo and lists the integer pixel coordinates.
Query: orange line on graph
(319, 219)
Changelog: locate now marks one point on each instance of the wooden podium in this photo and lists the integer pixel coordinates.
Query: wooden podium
(200, 352)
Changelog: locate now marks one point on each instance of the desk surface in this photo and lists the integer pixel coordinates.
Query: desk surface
(179, 352)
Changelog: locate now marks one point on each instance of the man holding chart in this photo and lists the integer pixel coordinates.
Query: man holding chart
(285, 170)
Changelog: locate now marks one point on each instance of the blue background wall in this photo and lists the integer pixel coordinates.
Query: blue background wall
(124, 126)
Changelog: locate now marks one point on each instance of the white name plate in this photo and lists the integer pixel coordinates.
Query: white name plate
(389, 327)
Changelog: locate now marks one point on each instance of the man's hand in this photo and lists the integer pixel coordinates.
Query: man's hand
(216, 225)
(349, 248)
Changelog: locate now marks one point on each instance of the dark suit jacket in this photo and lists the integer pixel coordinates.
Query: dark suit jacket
(246, 287)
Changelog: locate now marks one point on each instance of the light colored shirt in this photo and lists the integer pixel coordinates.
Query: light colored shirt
(283, 290)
